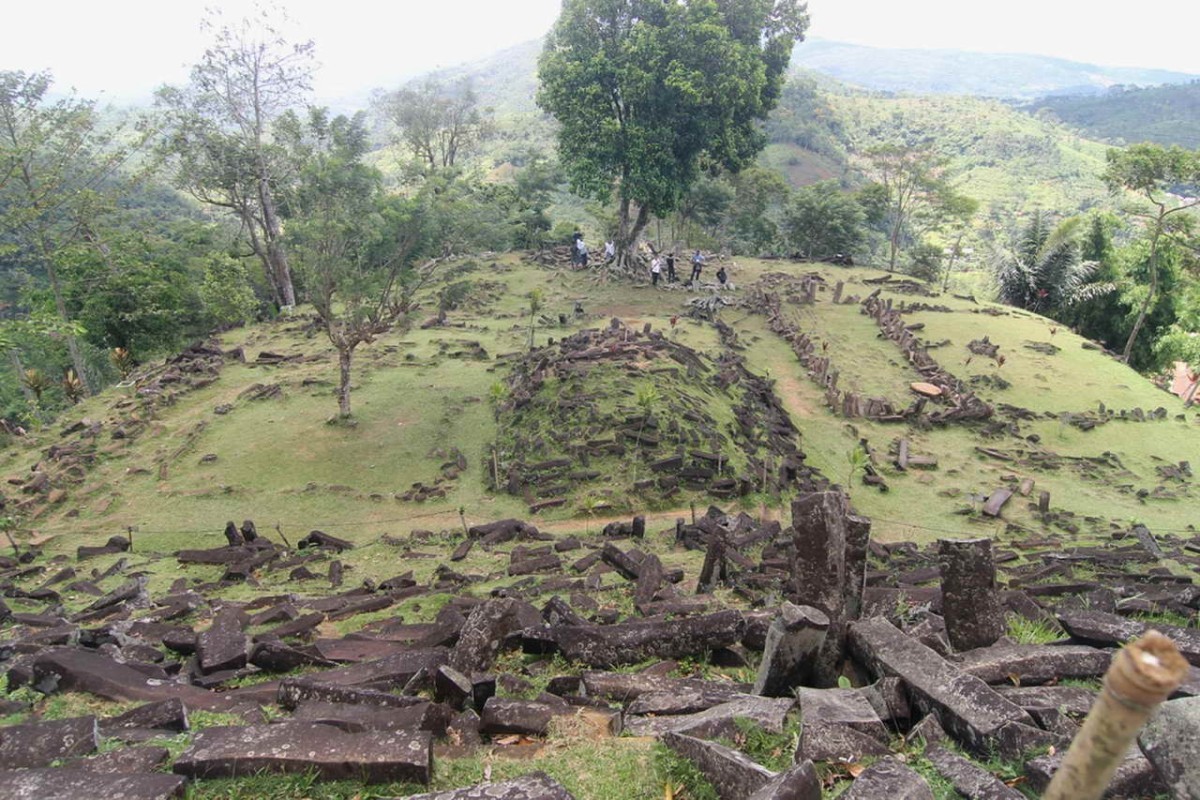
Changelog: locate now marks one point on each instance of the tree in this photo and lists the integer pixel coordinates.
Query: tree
(760, 195)
(647, 93)
(218, 134)
(1169, 179)
(1103, 318)
(1044, 272)
(823, 221)
(130, 290)
(437, 123)
(354, 245)
(956, 213)
(54, 161)
(915, 184)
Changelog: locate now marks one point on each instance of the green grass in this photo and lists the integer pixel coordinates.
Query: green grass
(1027, 631)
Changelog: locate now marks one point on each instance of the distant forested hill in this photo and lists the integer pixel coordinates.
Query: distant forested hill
(1167, 114)
(1005, 75)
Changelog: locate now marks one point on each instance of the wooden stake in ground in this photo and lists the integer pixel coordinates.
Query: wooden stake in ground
(1141, 676)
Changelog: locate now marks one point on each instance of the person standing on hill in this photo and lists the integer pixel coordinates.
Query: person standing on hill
(671, 276)
(583, 252)
(576, 238)
(697, 266)
(722, 276)
(610, 252)
(655, 270)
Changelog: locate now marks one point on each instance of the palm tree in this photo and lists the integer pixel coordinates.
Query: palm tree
(1045, 272)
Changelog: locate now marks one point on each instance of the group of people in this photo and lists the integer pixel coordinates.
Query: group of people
(659, 261)
(579, 258)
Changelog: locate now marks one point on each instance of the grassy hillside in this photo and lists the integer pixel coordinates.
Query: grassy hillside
(180, 470)
(1167, 114)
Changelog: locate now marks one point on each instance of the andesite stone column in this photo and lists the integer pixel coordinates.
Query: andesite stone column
(828, 569)
(970, 602)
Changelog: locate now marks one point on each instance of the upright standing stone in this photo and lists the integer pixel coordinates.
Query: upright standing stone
(858, 540)
(970, 603)
(794, 642)
(827, 548)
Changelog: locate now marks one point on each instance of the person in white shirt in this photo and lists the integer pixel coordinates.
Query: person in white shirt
(655, 269)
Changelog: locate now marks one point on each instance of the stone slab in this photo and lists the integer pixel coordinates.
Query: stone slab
(299, 747)
(969, 709)
(608, 646)
(732, 774)
(534, 786)
(42, 784)
(888, 779)
(37, 744)
(801, 782)
(970, 780)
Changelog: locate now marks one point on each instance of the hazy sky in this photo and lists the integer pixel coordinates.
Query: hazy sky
(125, 48)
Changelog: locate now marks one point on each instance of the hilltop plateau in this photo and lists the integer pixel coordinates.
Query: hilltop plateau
(493, 467)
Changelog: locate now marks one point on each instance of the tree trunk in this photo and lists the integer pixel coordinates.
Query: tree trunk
(628, 233)
(1141, 317)
(281, 273)
(894, 245)
(19, 368)
(344, 355)
(950, 266)
(61, 307)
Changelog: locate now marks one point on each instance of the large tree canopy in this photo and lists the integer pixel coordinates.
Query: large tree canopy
(648, 93)
(219, 133)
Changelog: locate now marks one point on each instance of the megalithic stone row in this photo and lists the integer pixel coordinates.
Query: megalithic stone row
(828, 569)
(971, 606)
(794, 642)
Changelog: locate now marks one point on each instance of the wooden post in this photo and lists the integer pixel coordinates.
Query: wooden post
(1141, 676)
(129, 532)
